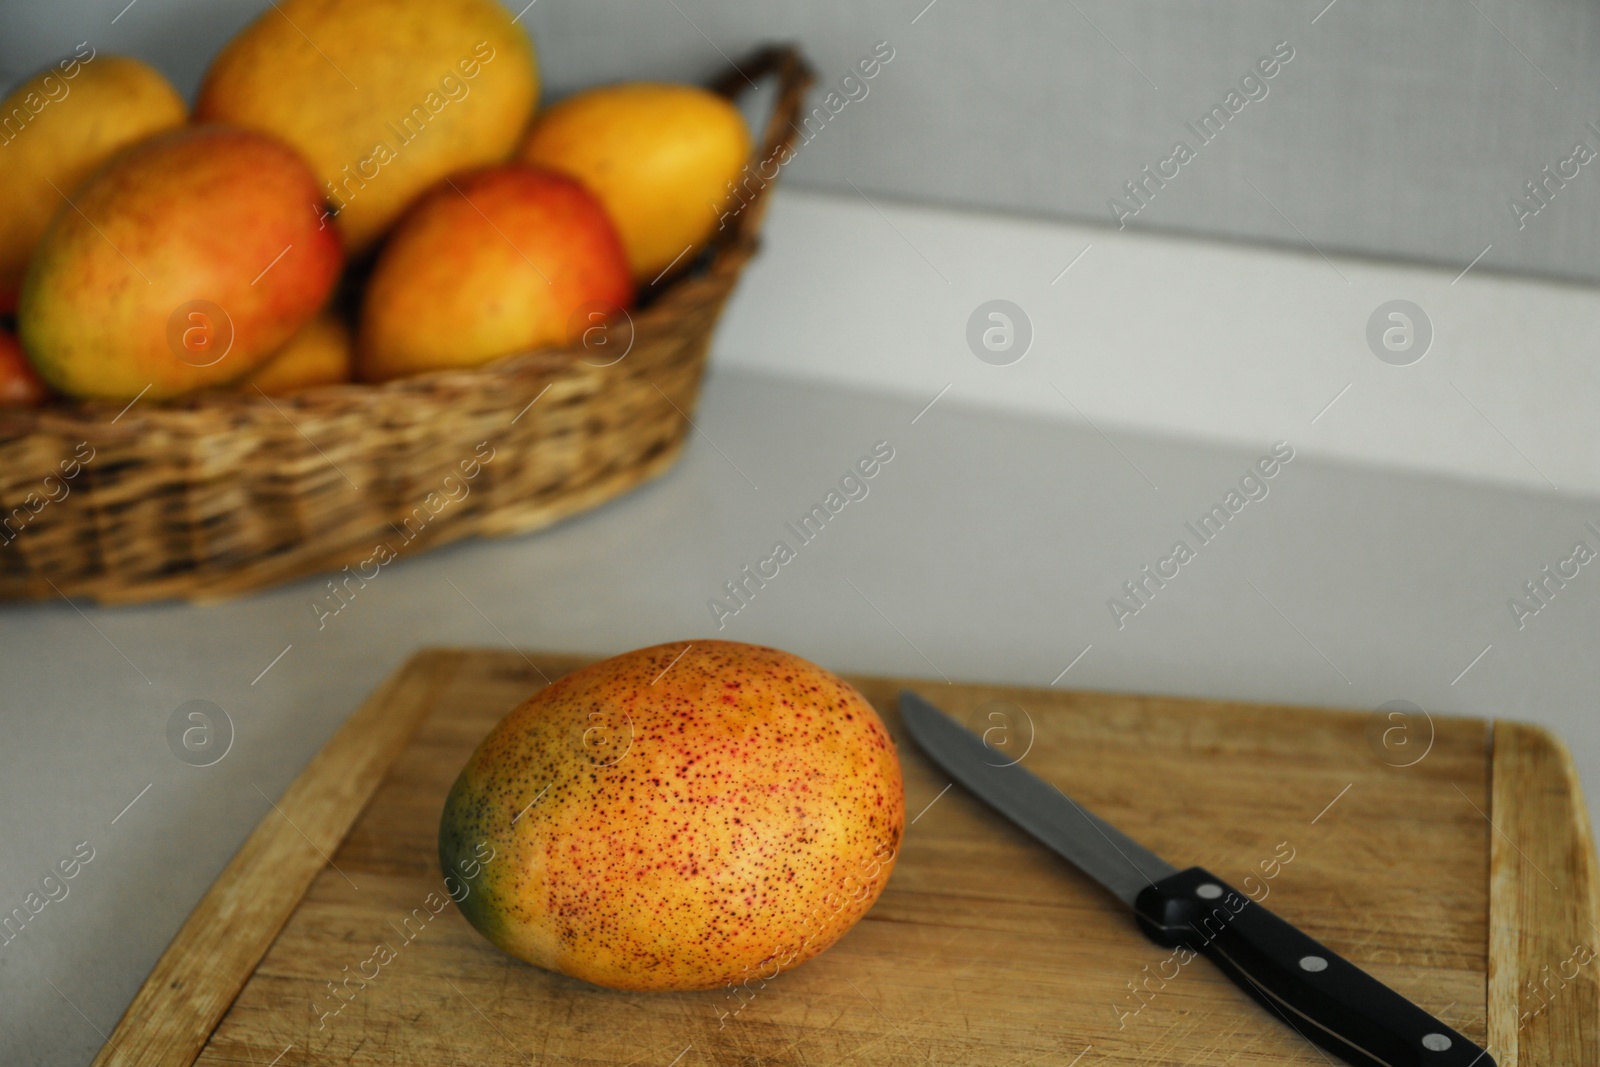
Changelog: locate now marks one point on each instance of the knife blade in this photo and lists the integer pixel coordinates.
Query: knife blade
(1325, 998)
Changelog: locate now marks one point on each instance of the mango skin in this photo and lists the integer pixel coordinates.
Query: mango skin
(489, 264)
(198, 213)
(20, 386)
(322, 353)
(85, 112)
(660, 157)
(686, 816)
(440, 85)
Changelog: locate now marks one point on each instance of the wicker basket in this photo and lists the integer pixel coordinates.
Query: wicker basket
(225, 492)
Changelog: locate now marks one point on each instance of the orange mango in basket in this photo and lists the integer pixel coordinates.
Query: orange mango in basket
(322, 353)
(488, 264)
(57, 127)
(19, 383)
(383, 97)
(188, 260)
(662, 158)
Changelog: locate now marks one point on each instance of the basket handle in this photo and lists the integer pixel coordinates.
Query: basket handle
(794, 76)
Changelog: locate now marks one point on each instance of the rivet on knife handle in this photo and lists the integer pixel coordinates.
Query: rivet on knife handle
(1325, 997)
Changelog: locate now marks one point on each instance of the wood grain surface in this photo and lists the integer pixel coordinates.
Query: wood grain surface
(1544, 972)
(1455, 865)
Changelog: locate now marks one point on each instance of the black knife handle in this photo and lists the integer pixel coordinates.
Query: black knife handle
(1321, 995)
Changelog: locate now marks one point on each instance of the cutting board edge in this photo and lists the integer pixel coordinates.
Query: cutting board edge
(218, 947)
(1534, 785)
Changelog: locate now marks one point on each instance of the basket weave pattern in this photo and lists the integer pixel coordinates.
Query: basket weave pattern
(224, 492)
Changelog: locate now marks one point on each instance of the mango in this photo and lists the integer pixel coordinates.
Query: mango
(20, 385)
(383, 97)
(322, 353)
(662, 158)
(57, 127)
(186, 261)
(686, 816)
(491, 263)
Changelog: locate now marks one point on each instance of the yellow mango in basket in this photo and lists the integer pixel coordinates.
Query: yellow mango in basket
(497, 261)
(382, 97)
(57, 127)
(661, 158)
(187, 260)
(322, 353)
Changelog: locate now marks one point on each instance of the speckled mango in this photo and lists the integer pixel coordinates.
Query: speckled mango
(686, 816)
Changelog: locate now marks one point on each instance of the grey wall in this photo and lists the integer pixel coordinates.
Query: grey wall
(1397, 130)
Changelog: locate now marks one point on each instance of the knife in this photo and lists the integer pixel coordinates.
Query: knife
(1322, 996)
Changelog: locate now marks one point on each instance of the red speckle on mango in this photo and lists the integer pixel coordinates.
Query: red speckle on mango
(661, 820)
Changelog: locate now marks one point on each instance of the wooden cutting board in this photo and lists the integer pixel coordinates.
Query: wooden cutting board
(1453, 860)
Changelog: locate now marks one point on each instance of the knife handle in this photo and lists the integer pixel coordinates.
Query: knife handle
(1321, 995)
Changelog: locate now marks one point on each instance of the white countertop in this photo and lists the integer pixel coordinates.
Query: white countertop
(986, 549)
